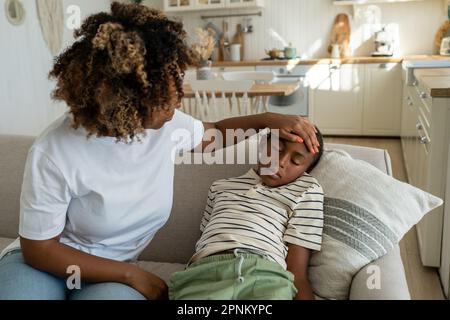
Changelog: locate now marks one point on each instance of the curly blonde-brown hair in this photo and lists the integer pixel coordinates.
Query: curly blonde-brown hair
(123, 66)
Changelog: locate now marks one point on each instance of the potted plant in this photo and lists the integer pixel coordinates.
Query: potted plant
(204, 48)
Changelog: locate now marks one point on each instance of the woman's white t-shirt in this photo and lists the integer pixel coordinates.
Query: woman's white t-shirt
(104, 198)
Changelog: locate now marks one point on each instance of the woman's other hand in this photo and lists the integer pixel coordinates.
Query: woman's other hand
(148, 284)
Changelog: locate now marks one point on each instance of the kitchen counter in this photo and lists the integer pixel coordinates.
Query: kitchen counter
(350, 60)
(436, 81)
(274, 89)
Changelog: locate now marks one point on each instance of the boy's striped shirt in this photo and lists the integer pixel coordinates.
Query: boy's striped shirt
(243, 213)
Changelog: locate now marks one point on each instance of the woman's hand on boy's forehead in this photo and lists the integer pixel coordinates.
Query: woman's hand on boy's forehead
(296, 129)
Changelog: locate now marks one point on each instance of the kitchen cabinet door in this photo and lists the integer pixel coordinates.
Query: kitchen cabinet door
(444, 270)
(409, 120)
(244, 3)
(209, 4)
(178, 5)
(382, 100)
(405, 100)
(336, 98)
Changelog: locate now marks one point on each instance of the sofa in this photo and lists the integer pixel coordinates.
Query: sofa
(174, 243)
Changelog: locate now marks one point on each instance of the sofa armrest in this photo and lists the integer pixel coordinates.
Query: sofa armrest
(393, 285)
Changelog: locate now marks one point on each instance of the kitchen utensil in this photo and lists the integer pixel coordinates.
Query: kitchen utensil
(290, 52)
(443, 32)
(239, 39)
(445, 47)
(221, 50)
(218, 32)
(341, 35)
(224, 43)
(248, 27)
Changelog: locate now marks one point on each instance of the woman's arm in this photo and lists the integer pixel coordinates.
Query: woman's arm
(53, 257)
(292, 128)
(297, 262)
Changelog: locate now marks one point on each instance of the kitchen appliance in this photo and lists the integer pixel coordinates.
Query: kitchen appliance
(445, 47)
(297, 102)
(384, 43)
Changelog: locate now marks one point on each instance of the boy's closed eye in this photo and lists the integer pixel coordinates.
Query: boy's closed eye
(297, 159)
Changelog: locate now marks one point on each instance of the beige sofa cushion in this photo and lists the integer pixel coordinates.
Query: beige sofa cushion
(13, 150)
(4, 242)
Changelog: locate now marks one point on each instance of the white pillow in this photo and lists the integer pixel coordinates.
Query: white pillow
(366, 213)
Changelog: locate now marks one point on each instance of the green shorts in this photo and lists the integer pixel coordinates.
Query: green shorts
(241, 276)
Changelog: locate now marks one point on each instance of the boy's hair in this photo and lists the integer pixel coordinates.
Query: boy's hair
(318, 155)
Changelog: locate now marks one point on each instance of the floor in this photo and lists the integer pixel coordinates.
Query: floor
(423, 281)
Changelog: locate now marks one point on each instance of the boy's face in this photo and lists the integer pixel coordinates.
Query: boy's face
(294, 160)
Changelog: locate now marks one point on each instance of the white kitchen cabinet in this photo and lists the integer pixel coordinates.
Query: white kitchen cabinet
(210, 4)
(425, 140)
(178, 5)
(336, 98)
(382, 100)
(244, 3)
(356, 99)
(445, 259)
(198, 5)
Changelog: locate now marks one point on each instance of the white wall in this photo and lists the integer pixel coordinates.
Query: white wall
(25, 104)
(307, 24)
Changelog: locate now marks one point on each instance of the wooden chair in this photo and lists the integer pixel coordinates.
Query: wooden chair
(259, 104)
(218, 99)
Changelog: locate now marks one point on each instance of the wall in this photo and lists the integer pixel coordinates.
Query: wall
(307, 24)
(25, 104)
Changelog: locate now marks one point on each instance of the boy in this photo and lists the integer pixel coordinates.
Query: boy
(257, 233)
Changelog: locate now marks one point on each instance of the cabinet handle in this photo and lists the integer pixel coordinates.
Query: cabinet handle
(423, 95)
(408, 98)
(415, 83)
(410, 103)
(419, 126)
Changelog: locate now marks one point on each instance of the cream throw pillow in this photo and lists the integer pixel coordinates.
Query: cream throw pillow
(366, 213)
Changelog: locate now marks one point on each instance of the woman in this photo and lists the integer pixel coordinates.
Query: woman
(93, 204)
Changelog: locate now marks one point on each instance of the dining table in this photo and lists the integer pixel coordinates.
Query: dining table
(257, 90)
